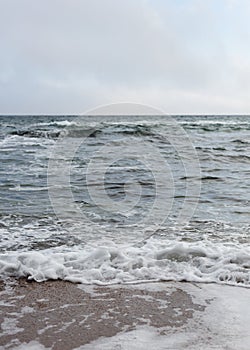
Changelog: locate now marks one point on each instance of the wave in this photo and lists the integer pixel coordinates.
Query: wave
(80, 131)
(155, 261)
(135, 130)
(215, 125)
(74, 133)
(91, 127)
(241, 141)
(36, 133)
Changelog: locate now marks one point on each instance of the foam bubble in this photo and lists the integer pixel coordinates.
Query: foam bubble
(154, 261)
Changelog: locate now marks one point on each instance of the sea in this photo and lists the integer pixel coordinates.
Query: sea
(125, 199)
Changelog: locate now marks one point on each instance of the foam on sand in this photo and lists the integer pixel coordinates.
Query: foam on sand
(153, 315)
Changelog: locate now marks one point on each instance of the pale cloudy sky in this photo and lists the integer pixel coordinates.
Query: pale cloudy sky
(66, 56)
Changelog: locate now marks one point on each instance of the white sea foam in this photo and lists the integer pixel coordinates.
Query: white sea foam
(214, 121)
(10, 142)
(32, 345)
(154, 261)
(9, 326)
(19, 188)
(58, 123)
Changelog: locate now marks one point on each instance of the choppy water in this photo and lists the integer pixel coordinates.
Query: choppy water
(43, 237)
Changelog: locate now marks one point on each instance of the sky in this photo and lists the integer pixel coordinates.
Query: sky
(68, 56)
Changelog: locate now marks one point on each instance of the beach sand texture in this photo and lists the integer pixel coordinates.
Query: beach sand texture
(63, 315)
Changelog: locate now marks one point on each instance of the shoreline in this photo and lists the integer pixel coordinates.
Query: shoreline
(175, 315)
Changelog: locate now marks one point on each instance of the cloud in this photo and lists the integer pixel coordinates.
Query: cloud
(65, 56)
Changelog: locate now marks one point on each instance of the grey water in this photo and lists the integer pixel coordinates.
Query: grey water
(70, 181)
(221, 142)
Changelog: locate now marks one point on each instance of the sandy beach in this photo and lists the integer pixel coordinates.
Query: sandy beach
(63, 315)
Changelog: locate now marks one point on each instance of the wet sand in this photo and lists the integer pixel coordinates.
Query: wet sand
(62, 315)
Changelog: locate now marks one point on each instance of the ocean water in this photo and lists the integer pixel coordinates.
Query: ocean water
(125, 199)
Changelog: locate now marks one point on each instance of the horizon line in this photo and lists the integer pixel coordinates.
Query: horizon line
(119, 114)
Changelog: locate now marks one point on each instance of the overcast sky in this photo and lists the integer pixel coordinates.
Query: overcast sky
(66, 56)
